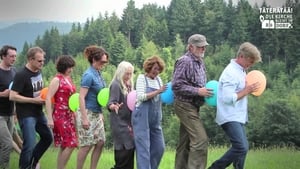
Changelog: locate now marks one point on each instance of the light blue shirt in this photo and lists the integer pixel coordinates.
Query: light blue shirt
(92, 80)
(232, 80)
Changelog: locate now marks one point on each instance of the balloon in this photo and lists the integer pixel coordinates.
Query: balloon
(212, 100)
(74, 102)
(10, 85)
(44, 93)
(167, 96)
(131, 99)
(257, 76)
(103, 96)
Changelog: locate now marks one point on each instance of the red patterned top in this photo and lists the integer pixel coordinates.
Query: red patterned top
(64, 130)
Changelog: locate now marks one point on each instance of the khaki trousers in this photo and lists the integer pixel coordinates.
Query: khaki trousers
(191, 152)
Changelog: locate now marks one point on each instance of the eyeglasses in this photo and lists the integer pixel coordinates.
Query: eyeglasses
(103, 62)
(201, 47)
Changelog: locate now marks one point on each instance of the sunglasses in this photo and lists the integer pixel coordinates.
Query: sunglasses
(103, 61)
(40, 61)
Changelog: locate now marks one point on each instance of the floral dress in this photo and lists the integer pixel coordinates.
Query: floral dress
(64, 130)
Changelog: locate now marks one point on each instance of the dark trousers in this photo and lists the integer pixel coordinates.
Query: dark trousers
(124, 159)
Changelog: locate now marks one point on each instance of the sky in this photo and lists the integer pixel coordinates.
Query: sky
(65, 10)
(74, 10)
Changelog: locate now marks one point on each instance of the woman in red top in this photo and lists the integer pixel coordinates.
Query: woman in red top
(60, 118)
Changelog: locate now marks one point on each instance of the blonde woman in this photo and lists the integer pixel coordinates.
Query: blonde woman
(120, 116)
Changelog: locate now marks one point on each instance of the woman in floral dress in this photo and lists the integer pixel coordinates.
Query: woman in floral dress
(60, 118)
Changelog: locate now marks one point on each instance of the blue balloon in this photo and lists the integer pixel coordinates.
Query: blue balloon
(212, 100)
(167, 96)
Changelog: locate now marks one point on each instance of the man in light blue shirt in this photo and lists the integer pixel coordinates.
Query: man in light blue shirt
(232, 105)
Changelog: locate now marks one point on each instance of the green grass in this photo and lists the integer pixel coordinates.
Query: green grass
(275, 158)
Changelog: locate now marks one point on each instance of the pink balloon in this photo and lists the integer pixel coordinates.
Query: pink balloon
(131, 99)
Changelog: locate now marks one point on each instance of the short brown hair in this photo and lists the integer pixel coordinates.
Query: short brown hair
(64, 62)
(149, 63)
(32, 51)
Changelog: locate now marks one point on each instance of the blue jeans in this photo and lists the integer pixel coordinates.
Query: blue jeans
(238, 151)
(32, 152)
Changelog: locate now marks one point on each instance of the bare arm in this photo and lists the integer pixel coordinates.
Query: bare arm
(52, 89)
(82, 93)
(15, 96)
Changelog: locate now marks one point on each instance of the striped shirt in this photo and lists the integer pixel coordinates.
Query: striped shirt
(141, 87)
(189, 75)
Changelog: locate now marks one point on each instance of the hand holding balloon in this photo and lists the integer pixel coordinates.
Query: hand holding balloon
(163, 88)
(256, 81)
(252, 87)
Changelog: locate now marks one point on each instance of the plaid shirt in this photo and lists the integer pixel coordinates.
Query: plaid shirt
(189, 75)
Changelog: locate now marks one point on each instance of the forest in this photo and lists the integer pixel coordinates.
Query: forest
(274, 117)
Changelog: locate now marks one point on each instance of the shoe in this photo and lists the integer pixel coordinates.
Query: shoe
(37, 166)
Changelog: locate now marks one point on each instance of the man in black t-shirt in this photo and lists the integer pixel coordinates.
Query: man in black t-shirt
(25, 92)
(8, 56)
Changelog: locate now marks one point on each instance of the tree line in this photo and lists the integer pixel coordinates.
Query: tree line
(153, 30)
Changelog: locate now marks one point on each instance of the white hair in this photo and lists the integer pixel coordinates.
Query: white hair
(119, 74)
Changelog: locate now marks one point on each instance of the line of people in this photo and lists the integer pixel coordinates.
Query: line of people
(138, 131)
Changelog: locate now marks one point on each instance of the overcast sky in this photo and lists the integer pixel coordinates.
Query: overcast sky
(74, 10)
(65, 10)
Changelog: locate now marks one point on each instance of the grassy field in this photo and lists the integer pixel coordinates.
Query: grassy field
(276, 158)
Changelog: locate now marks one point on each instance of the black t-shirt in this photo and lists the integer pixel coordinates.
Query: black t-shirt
(28, 84)
(6, 77)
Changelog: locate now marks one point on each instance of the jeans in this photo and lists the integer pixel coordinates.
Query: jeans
(191, 152)
(32, 152)
(239, 147)
(6, 128)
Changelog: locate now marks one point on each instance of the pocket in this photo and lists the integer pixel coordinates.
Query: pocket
(135, 115)
(140, 119)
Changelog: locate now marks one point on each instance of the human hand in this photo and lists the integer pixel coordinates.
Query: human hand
(252, 88)
(50, 123)
(5, 93)
(206, 92)
(38, 100)
(85, 123)
(163, 88)
(115, 107)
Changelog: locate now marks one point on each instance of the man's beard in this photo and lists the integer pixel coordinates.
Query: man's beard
(202, 55)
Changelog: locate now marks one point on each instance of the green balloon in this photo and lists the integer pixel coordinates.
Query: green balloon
(74, 102)
(103, 96)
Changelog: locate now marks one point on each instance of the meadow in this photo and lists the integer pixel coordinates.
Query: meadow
(271, 158)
